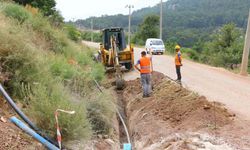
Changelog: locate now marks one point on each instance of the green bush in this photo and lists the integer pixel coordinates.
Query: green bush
(55, 38)
(137, 40)
(170, 46)
(101, 112)
(86, 35)
(61, 68)
(17, 12)
(192, 54)
(98, 72)
(44, 104)
(73, 33)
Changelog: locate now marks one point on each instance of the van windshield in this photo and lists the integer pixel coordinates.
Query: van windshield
(156, 42)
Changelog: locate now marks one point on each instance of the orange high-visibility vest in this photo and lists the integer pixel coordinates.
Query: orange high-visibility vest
(178, 59)
(145, 65)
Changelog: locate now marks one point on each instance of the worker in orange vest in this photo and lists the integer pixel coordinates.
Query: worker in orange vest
(145, 70)
(178, 62)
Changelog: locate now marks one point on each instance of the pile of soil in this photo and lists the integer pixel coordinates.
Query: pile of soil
(173, 117)
(11, 137)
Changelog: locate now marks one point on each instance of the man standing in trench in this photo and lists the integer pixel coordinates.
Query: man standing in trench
(145, 70)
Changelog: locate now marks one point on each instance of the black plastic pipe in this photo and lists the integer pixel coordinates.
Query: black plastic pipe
(17, 110)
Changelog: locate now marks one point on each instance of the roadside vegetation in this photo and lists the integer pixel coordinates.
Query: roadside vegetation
(212, 33)
(44, 67)
(223, 50)
(86, 35)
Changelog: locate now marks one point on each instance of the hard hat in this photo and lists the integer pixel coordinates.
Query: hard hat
(177, 47)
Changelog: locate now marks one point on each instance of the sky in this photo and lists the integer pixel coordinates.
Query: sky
(82, 9)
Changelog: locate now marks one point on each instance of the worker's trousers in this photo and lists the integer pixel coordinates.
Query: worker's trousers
(146, 84)
(178, 72)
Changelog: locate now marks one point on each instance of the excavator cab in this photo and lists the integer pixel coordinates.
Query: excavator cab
(119, 38)
(124, 53)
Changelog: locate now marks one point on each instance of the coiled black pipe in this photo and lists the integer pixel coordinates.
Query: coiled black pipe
(24, 117)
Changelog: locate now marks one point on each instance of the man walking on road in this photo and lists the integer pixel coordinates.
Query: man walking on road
(178, 62)
(145, 70)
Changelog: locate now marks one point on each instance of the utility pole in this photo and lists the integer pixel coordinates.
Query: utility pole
(92, 30)
(129, 23)
(245, 56)
(161, 20)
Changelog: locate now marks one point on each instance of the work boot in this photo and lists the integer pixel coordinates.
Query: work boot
(145, 96)
(178, 80)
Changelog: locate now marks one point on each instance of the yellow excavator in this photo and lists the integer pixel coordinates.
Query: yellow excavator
(114, 53)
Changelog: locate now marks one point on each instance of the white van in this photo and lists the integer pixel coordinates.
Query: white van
(156, 46)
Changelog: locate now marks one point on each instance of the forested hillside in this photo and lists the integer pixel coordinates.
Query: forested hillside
(185, 21)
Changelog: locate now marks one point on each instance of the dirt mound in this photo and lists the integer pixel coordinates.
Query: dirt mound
(174, 104)
(172, 109)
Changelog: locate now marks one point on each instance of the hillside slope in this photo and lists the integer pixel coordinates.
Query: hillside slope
(43, 70)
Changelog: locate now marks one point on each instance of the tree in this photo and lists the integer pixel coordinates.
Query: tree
(149, 28)
(226, 47)
(46, 6)
(226, 36)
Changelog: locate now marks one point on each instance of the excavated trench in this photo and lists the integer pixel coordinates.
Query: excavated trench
(176, 118)
(123, 137)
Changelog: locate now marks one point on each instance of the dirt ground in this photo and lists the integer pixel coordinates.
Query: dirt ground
(11, 137)
(176, 118)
